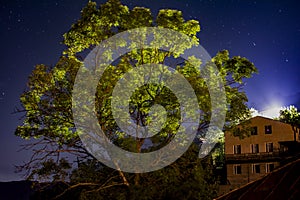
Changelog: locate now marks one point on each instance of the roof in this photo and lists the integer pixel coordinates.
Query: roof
(266, 118)
(283, 183)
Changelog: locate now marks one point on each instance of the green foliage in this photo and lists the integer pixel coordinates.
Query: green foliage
(187, 178)
(51, 170)
(291, 116)
(48, 107)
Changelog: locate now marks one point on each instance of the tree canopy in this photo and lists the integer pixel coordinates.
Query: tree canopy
(58, 153)
(290, 115)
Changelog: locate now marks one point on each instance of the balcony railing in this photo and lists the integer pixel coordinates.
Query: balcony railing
(255, 156)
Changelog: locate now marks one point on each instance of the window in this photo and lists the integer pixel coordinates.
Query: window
(254, 148)
(269, 167)
(237, 149)
(269, 147)
(268, 129)
(255, 168)
(254, 130)
(237, 169)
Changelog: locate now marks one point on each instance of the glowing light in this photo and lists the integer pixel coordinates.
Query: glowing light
(272, 111)
(269, 112)
(254, 112)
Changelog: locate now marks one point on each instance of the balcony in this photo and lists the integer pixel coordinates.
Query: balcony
(287, 150)
(263, 156)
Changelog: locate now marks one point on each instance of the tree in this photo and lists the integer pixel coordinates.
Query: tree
(291, 116)
(58, 153)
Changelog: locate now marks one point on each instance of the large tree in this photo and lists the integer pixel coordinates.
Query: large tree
(58, 153)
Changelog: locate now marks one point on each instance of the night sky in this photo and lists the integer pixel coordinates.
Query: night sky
(266, 32)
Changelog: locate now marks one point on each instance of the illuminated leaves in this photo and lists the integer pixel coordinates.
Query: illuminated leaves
(47, 101)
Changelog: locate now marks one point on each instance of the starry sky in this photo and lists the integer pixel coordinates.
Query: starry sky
(267, 32)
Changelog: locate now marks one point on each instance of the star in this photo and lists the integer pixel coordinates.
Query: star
(2, 95)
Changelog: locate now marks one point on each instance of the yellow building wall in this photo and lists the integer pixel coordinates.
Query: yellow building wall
(280, 132)
(247, 174)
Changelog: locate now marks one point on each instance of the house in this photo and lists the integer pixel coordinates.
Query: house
(269, 145)
(282, 183)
